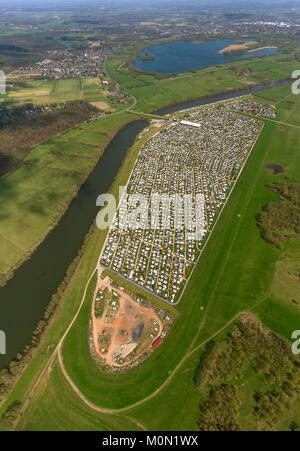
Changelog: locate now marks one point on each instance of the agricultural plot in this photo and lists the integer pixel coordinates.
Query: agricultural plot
(238, 272)
(66, 89)
(43, 186)
(92, 90)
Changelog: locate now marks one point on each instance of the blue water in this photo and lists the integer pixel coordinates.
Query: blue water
(184, 56)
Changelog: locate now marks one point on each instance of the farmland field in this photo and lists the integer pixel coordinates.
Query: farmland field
(82, 114)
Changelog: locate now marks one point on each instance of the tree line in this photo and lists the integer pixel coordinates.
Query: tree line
(20, 130)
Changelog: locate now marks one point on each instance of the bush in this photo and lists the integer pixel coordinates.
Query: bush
(280, 221)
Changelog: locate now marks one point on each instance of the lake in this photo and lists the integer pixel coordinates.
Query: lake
(184, 56)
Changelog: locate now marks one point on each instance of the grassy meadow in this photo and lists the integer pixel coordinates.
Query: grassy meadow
(43, 186)
(238, 272)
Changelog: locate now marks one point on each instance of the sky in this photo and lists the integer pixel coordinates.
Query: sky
(143, 2)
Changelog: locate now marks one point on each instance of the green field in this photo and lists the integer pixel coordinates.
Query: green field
(224, 283)
(238, 272)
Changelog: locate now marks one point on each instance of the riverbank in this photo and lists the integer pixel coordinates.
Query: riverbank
(24, 298)
(221, 96)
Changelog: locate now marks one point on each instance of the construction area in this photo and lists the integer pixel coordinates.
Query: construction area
(201, 155)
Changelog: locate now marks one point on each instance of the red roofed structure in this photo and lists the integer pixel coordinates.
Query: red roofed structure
(157, 342)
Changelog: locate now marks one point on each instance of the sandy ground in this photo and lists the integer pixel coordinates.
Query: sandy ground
(130, 315)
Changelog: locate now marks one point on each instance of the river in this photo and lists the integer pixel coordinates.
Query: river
(24, 299)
